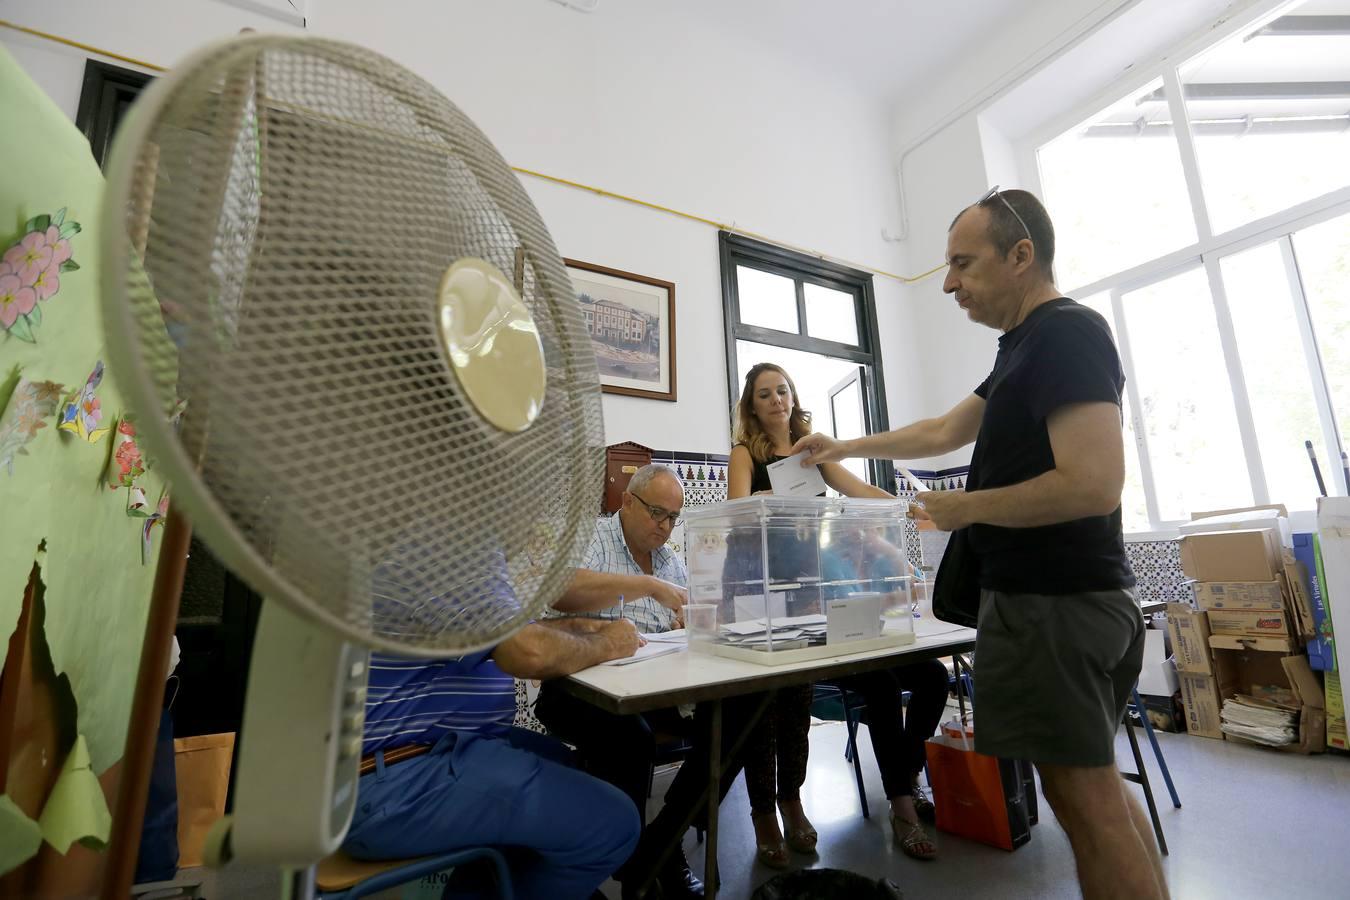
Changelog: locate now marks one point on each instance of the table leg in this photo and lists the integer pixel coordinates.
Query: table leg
(713, 806)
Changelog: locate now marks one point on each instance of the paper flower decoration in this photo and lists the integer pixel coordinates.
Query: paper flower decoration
(31, 404)
(81, 413)
(30, 272)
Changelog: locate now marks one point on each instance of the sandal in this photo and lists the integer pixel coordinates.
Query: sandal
(803, 839)
(773, 854)
(924, 807)
(912, 839)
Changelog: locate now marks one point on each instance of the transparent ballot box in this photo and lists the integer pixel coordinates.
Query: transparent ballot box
(796, 578)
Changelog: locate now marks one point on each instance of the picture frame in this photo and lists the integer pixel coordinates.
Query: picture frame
(631, 320)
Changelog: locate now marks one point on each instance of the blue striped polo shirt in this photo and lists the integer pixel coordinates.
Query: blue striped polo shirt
(417, 701)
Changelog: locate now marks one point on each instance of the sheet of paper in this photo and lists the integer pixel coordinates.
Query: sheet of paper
(913, 479)
(854, 619)
(789, 479)
(20, 836)
(752, 606)
(76, 809)
(646, 651)
(678, 636)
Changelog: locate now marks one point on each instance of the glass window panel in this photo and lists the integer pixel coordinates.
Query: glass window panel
(1279, 387)
(1323, 253)
(1268, 113)
(849, 420)
(812, 373)
(767, 300)
(1115, 190)
(1188, 414)
(831, 315)
(1133, 505)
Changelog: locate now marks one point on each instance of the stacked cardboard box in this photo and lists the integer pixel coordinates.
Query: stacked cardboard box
(1243, 638)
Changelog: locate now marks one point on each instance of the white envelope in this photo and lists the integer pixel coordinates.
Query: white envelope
(789, 479)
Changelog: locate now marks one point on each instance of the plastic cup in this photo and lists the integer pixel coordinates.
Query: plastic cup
(701, 621)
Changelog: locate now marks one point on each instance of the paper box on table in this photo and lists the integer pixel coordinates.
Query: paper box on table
(1250, 622)
(1250, 555)
(1189, 630)
(1238, 594)
(1278, 678)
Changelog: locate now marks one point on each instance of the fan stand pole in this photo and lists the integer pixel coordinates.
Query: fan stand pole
(139, 754)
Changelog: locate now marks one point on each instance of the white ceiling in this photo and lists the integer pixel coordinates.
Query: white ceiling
(881, 47)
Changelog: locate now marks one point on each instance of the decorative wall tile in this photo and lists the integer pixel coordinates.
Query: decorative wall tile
(526, 693)
(1157, 567)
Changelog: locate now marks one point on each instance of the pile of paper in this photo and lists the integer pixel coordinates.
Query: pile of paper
(1260, 720)
(756, 634)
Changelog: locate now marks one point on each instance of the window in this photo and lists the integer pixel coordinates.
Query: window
(1206, 215)
(818, 321)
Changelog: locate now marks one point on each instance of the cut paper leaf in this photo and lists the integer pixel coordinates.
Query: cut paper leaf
(76, 809)
(137, 506)
(81, 413)
(30, 272)
(29, 407)
(148, 529)
(20, 836)
(127, 463)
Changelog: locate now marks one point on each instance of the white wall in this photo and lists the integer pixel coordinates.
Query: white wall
(636, 98)
(956, 140)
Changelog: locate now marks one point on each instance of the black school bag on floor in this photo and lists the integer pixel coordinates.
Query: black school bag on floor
(826, 884)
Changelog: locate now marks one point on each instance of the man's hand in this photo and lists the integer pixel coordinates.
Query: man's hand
(948, 510)
(620, 637)
(668, 594)
(819, 448)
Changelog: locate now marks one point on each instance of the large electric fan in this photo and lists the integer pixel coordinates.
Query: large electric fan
(391, 405)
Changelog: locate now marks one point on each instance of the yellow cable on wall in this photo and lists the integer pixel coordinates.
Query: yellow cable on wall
(577, 185)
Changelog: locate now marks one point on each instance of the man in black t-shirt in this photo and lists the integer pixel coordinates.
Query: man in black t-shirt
(1060, 637)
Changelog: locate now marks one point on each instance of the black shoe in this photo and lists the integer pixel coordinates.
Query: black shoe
(678, 881)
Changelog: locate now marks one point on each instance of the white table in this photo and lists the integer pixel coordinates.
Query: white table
(692, 677)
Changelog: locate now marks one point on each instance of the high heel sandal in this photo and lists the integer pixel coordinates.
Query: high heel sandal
(801, 840)
(772, 854)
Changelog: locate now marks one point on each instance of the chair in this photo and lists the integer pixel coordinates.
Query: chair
(1140, 775)
(671, 750)
(339, 877)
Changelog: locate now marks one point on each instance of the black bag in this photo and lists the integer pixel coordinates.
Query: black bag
(826, 884)
(956, 594)
(157, 859)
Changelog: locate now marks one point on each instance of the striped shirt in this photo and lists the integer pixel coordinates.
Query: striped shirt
(417, 701)
(608, 552)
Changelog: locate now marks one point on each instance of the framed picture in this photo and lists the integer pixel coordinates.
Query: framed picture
(631, 320)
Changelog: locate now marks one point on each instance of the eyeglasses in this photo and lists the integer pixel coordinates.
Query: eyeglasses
(659, 514)
(995, 192)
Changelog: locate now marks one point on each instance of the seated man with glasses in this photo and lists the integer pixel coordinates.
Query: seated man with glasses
(629, 572)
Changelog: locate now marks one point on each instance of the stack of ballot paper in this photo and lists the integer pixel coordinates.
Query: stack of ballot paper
(1260, 720)
(755, 633)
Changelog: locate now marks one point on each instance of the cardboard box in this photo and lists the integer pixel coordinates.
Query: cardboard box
(1158, 675)
(1295, 581)
(1266, 644)
(1277, 678)
(1255, 622)
(1336, 730)
(1201, 704)
(1164, 713)
(1274, 517)
(1238, 594)
(1243, 555)
(1189, 630)
(1333, 548)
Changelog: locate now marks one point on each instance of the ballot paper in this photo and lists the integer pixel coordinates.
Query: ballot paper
(678, 636)
(854, 618)
(913, 479)
(789, 479)
(646, 651)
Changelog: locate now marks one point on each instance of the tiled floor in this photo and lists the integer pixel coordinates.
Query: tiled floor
(1254, 823)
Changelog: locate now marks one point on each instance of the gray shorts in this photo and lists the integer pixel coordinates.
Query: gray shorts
(1053, 674)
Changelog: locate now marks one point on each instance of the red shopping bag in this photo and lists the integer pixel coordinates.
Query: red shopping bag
(978, 797)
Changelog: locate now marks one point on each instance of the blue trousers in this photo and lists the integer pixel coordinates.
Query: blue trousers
(515, 791)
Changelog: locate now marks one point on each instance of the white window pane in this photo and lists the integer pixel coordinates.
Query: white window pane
(1115, 191)
(1323, 253)
(1274, 365)
(849, 414)
(831, 315)
(1193, 442)
(766, 299)
(1268, 112)
(1133, 505)
(813, 374)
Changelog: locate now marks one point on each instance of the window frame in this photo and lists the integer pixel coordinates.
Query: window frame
(734, 250)
(1205, 252)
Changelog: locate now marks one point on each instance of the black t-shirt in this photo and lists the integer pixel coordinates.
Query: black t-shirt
(1062, 353)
